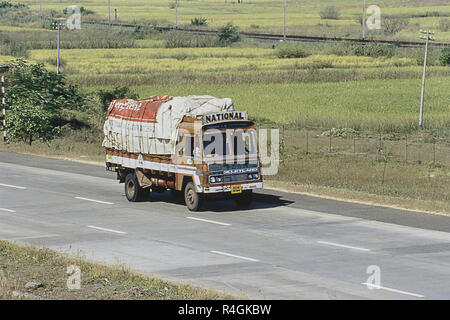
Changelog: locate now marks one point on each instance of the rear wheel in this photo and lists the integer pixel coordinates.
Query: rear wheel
(191, 197)
(133, 191)
(245, 199)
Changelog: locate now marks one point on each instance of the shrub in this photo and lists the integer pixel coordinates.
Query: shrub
(445, 57)
(392, 25)
(28, 122)
(9, 5)
(228, 34)
(374, 50)
(330, 13)
(106, 96)
(83, 11)
(200, 21)
(321, 65)
(286, 52)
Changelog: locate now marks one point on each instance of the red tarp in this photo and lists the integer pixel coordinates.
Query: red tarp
(140, 111)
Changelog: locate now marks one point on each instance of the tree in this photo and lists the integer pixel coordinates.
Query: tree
(330, 13)
(28, 122)
(36, 100)
(106, 96)
(41, 87)
(228, 34)
(392, 25)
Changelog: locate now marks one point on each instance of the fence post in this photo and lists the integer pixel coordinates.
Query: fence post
(307, 142)
(330, 140)
(354, 145)
(406, 148)
(3, 109)
(380, 147)
(434, 151)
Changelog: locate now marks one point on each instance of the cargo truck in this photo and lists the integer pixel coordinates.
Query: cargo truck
(198, 147)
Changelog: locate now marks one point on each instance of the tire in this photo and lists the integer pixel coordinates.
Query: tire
(133, 191)
(245, 199)
(191, 197)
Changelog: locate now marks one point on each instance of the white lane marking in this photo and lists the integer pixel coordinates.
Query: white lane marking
(343, 246)
(107, 230)
(33, 237)
(92, 200)
(235, 256)
(392, 290)
(209, 221)
(11, 186)
(7, 210)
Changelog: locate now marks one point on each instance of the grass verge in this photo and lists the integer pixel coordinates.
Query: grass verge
(20, 265)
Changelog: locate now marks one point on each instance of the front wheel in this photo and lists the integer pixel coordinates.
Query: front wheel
(191, 197)
(133, 191)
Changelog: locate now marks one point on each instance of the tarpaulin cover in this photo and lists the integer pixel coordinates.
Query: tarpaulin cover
(150, 126)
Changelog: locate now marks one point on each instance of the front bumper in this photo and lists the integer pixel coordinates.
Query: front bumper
(227, 188)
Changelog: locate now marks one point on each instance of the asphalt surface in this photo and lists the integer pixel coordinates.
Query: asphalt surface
(286, 246)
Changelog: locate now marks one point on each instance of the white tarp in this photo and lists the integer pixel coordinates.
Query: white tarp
(159, 137)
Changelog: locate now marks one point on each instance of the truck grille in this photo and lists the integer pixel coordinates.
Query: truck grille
(232, 166)
(234, 178)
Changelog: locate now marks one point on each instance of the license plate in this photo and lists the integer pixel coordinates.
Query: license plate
(236, 189)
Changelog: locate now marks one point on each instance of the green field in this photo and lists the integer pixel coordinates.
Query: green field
(303, 16)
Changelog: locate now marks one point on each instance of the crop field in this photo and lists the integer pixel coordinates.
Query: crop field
(320, 90)
(303, 16)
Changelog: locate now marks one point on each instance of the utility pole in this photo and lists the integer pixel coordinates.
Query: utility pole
(109, 12)
(428, 37)
(58, 25)
(284, 28)
(363, 19)
(176, 14)
(4, 109)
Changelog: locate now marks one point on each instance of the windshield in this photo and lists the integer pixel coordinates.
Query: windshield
(231, 142)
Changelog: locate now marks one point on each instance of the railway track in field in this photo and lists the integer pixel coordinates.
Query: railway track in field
(274, 37)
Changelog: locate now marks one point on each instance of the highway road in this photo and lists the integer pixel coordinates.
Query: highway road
(285, 246)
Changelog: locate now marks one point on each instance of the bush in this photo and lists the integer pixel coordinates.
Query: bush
(330, 13)
(106, 96)
(374, 50)
(200, 21)
(28, 122)
(392, 25)
(83, 11)
(228, 34)
(9, 5)
(445, 57)
(286, 52)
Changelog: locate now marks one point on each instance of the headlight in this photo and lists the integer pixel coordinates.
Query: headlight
(250, 176)
(212, 179)
(218, 179)
(256, 176)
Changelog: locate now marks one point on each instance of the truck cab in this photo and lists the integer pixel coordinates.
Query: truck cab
(223, 148)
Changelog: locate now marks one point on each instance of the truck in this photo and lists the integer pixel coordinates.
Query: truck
(198, 147)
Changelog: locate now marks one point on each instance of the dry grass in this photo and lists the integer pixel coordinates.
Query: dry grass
(22, 264)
